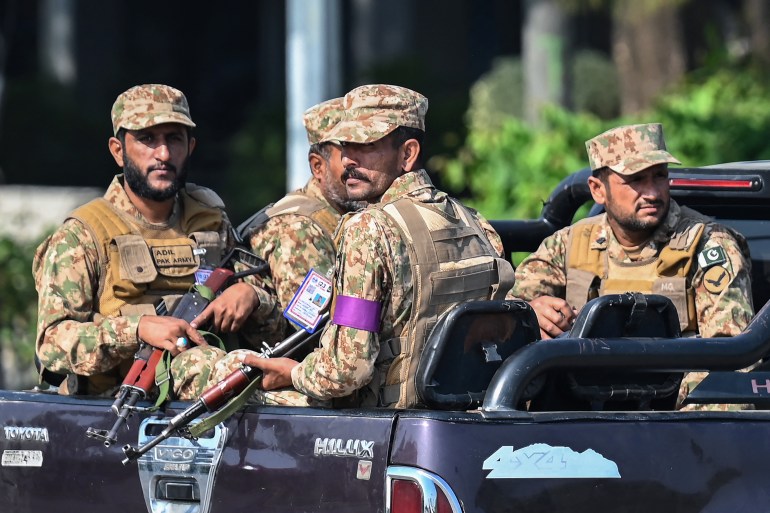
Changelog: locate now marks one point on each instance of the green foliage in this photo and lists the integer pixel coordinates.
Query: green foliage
(596, 86)
(18, 299)
(510, 172)
(510, 169)
(722, 118)
(496, 95)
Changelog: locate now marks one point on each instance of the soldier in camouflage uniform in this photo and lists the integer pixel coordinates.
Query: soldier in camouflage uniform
(644, 242)
(296, 234)
(101, 274)
(410, 234)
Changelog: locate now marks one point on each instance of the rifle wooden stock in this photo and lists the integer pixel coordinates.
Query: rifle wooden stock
(219, 395)
(140, 379)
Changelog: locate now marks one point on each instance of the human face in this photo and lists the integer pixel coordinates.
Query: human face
(332, 185)
(370, 169)
(155, 160)
(635, 204)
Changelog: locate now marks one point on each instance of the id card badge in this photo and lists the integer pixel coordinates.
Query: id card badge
(310, 301)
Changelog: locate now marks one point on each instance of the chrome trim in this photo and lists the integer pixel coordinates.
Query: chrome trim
(428, 482)
(179, 462)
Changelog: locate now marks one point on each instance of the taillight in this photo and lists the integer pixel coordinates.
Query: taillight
(411, 490)
(406, 497)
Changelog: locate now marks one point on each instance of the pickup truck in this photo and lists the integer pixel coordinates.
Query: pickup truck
(491, 437)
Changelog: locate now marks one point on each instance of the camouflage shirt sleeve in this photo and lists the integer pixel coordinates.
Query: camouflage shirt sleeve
(543, 273)
(345, 361)
(292, 245)
(71, 336)
(723, 309)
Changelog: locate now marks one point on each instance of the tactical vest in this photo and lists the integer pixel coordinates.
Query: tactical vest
(452, 261)
(139, 265)
(297, 203)
(591, 273)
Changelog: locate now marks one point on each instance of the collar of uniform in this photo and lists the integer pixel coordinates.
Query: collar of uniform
(116, 196)
(667, 227)
(313, 189)
(408, 183)
(601, 240)
(650, 249)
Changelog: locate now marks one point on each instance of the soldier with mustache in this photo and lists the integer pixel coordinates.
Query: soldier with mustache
(644, 242)
(403, 261)
(101, 275)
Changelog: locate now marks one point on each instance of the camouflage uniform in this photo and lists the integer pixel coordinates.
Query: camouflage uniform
(373, 266)
(722, 292)
(296, 234)
(72, 336)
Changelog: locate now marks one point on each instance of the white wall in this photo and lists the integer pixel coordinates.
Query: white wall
(28, 211)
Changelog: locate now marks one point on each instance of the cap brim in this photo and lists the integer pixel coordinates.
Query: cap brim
(171, 117)
(359, 132)
(643, 161)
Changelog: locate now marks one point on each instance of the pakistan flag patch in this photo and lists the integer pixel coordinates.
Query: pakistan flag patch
(711, 257)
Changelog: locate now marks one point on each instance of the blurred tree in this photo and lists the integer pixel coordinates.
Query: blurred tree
(595, 87)
(545, 45)
(496, 95)
(757, 16)
(647, 49)
(57, 41)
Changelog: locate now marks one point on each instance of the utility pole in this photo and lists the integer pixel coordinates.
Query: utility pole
(313, 73)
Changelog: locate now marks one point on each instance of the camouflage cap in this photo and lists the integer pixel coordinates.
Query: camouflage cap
(629, 149)
(320, 119)
(148, 105)
(374, 111)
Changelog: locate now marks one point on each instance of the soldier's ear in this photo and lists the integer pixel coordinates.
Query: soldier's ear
(116, 150)
(410, 151)
(317, 165)
(598, 190)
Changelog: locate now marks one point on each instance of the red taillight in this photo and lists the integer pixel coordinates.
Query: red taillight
(708, 183)
(407, 498)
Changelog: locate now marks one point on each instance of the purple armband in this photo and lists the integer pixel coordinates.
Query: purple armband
(358, 313)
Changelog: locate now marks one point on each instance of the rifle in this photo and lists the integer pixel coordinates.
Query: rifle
(141, 377)
(220, 395)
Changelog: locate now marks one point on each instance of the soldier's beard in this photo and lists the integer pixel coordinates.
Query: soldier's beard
(337, 194)
(631, 223)
(140, 184)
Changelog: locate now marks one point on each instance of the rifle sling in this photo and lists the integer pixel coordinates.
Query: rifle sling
(226, 411)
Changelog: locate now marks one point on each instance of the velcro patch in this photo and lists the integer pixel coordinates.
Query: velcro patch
(173, 256)
(716, 279)
(711, 257)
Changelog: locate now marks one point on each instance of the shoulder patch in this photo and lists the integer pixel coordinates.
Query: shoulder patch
(711, 257)
(716, 279)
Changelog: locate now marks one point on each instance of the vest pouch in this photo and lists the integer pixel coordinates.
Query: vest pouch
(581, 286)
(676, 290)
(136, 264)
(212, 243)
(131, 261)
(452, 286)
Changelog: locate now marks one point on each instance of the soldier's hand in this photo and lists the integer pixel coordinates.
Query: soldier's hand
(229, 310)
(165, 333)
(554, 315)
(276, 372)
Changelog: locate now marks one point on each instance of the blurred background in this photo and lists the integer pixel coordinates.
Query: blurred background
(515, 88)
